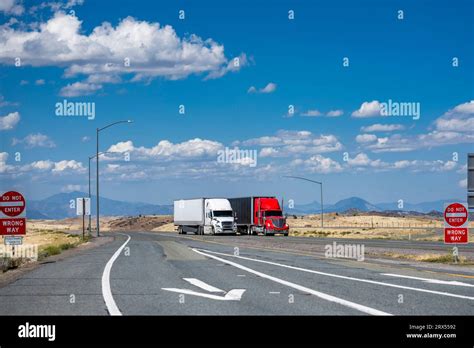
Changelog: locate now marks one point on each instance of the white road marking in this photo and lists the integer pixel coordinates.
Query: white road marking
(232, 295)
(240, 275)
(430, 280)
(301, 288)
(106, 291)
(202, 285)
(349, 278)
(274, 292)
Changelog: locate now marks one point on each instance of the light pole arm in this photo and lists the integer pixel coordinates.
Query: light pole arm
(316, 182)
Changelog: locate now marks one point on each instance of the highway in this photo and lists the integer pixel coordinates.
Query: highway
(145, 273)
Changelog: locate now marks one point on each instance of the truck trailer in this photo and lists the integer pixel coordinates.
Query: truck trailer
(255, 215)
(204, 216)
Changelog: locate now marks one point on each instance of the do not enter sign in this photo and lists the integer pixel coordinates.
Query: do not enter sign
(12, 214)
(12, 204)
(456, 223)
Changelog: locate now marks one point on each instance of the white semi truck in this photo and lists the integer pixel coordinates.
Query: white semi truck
(204, 216)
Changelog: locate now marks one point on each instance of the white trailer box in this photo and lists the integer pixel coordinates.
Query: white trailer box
(204, 216)
(189, 212)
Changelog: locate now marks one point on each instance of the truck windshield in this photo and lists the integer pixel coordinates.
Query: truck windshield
(222, 213)
(272, 213)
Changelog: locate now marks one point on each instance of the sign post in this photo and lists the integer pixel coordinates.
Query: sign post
(83, 207)
(456, 223)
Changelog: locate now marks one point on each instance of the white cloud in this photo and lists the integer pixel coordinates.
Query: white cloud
(35, 140)
(382, 128)
(77, 89)
(293, 143)
(4, 167)
(40, 82)
(463, 183)
(335, 113)
(11, 7)
(360, 160)
(150, 49)
(63, 166)
(269, 88)
(268, 152)
(456, 126)
(368, 109)
(317, 113)
(366, 138)
(459, 119)
(85, 138)
(193, 148)
(4, 102)
(319, 164)
(71, 188)
(312, 113)
(9, 121)
(42, 165)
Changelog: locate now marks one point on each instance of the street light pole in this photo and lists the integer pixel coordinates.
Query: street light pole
(97, 169)
(90, 216)
(97, 182)
(90, 198)
(316, 182)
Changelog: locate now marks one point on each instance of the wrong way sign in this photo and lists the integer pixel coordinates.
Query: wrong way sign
(456, 220)
(12, 214)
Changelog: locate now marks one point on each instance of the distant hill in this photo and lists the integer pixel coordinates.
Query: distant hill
(359, 204)
(58, 206)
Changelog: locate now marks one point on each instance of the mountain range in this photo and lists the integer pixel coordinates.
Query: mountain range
(62, 205)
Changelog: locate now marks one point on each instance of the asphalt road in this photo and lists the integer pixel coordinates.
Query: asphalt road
(142, 273)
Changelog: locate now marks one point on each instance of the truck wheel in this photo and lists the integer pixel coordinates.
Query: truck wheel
(285, 234)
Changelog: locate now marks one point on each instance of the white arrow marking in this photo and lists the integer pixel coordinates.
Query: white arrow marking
(202, 285)
(232, 295)
(428, 280)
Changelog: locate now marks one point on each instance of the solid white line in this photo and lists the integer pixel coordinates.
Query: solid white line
(322, 295)
(202, 285)
(349, 278)
(106, 291)
(274, 292)
(430, 280)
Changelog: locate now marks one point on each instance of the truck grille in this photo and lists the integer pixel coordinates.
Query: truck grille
(227, 225)
(278, 223)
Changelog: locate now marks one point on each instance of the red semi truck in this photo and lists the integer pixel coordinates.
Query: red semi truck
(255, 215)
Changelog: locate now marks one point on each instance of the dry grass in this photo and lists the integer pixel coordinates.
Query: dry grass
(435, 258)
(49, 242)
(361, 226)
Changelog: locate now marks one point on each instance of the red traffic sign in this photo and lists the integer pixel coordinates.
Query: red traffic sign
(12, 226)
(12, 214)
(12, 204)
(455, 215)
(456, 235)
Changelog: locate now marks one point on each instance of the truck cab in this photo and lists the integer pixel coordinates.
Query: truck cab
(268, 216)
(219, 216)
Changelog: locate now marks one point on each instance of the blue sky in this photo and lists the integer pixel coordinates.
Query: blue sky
(78, 56)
